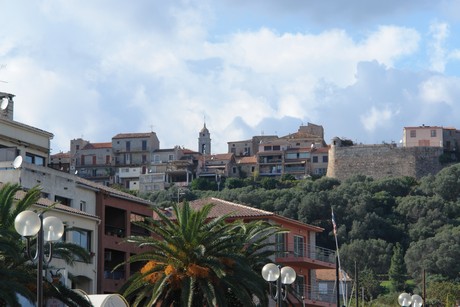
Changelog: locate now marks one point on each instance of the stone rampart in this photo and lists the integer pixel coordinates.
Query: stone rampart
(385, 160)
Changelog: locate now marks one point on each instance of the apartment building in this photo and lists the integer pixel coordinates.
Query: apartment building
(296, 249)
(131, 154)
(77, 203)
(174, 166)
(431, 136)
(248, 147)
(60, 162)
(100, 216)
(277, 157)
(92, 161)
(217, 166)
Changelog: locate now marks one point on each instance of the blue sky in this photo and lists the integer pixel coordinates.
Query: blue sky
(361, 69)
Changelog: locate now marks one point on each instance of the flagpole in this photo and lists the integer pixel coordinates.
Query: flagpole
(334, 225)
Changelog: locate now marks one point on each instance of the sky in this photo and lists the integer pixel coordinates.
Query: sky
(362, 69)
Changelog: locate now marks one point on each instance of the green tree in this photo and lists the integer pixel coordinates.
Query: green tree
(233, 183)
(437, 255)
(193, 261)
(397, 273)
(373, 253)
(17, 273)
(447, 183)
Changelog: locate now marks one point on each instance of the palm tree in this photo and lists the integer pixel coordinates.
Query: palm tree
(192, 260)
(17, 273)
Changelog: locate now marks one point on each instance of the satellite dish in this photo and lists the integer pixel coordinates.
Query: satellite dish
(17, 162)
(4, 104)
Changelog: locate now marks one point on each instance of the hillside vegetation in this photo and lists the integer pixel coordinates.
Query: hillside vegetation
(417, 223)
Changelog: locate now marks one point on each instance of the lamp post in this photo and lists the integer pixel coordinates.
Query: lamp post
(49, 229)
(406, 300)
(281, 276)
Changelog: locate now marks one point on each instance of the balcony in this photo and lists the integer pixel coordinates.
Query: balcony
(312, 295)
(314, 257)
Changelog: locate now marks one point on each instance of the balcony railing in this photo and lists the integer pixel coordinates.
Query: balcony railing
(305, 251)
(314, 293)
(114, 231)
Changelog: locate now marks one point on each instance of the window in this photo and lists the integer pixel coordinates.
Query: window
(315, 159)
(83, 205)
(156, 158)
(304, 155)
(433, 133)
(94, 160)
(63, 200)
(34, 159)
(128, 145)
(171, 157)
(234, 170)
(144, 145)
(280, 244)
(322, 287)
(299, 285)
(413, 133)
(81, 237)
(267, 148)
(324, 159)
(127, 158)
(144, 158)
(107, 159)
(276, 147)
(299, 248)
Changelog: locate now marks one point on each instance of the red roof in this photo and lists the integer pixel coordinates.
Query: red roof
(248, 160)
(225, 156)
(61, 155)
(222, 207)
(98, 145)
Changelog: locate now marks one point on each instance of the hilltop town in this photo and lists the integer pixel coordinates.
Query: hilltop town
(85, 182)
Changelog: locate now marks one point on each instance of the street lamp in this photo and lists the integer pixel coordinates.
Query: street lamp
(406, 300)
(49, 229)
(282, 276)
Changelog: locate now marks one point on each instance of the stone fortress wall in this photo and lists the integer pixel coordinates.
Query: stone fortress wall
(381, 161)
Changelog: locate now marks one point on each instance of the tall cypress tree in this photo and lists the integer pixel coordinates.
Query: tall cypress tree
(398, 272)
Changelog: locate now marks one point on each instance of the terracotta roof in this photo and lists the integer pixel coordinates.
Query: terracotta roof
(189, 151)
(98, 145)
(133, 135)
(247, 160)
(330, 275)
(222, 207)
(320, 150)
(61, 155)
(225, 156)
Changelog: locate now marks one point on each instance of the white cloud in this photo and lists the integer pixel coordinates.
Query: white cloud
(439, 32)
(440, 89)
(375, 118)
